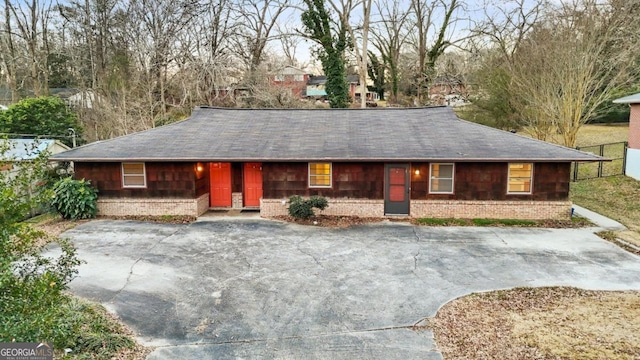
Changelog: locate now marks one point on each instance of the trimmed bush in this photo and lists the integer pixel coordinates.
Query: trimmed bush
(300, 208)
(75, 199)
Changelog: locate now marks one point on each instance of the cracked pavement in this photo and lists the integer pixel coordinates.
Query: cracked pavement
(252, 288)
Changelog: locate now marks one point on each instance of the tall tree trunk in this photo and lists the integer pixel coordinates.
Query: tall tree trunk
(9, 57)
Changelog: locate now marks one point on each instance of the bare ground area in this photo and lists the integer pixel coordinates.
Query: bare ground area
(540, 323)
(346, 221)
(329, 221)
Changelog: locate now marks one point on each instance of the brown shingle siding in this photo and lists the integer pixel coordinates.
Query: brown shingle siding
(472, 181)
(174, 180)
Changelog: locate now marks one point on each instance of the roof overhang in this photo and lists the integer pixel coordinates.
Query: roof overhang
(631, 99)
(457, 160)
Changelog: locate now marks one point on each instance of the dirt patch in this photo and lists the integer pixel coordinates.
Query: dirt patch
(346, 221)
(167, 219)
(52, 226)
(575, 222)
(330, 221)
(540, 323)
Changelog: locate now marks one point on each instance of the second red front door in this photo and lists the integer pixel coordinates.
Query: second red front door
(252, 184)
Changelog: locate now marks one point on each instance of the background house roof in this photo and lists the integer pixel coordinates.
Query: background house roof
(631, 99)
(322, 79)
(29, 149)
(418, 134)
(290, 70)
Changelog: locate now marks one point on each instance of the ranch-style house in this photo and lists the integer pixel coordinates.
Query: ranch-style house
(416, 162)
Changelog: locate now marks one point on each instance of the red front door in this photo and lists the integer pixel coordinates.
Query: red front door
(220, 180)
(252, 184)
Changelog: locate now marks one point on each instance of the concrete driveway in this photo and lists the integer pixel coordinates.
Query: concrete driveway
(251, 288)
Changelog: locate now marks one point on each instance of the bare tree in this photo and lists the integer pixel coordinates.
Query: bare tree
(571, 62)
(155, 28)
(505, 27)
(389, 36)
(258, 25)
(91, 25)
(289, 41)
(32, 20)
(9, 54)
(434, 22)
(206, 55)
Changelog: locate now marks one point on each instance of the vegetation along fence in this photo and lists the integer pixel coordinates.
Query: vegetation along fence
(617, 152)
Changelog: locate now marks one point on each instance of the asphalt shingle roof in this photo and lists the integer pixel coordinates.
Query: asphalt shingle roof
(417, 134)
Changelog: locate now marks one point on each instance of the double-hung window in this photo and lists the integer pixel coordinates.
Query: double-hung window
(320, 175)
(520, 178)
(441, 178)
(133, 175)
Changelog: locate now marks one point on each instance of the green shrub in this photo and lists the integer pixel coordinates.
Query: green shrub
(31, 288)
(75, 199)
(300, 208)
(318, 202)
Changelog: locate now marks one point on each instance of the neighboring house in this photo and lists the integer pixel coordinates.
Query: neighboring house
(316, 88)
(291, 78)
(420, 162)
(84, 99)
(232, 92)
(448, 90)
(28, 149)
(632, 167)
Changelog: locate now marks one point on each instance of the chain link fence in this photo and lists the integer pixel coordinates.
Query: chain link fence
(617, 152)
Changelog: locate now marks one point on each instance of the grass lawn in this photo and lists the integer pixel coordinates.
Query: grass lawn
(602, 134)
(617, 197)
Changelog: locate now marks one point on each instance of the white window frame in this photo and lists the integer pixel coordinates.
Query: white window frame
(144, 175)
(453, 178)
(330, 175)
(530, 179)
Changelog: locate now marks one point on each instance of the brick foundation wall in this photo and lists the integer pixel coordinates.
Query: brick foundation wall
(524, 210)
(344, 207)
(153, 207)
(532, 210)
(203, 204)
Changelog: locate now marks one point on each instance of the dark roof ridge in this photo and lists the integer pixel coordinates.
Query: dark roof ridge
(206, 107)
